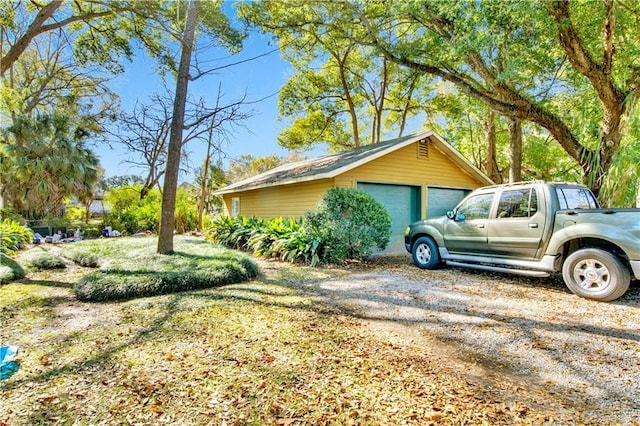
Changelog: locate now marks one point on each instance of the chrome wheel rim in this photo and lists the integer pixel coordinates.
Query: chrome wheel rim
(591, 275)
(423, 253)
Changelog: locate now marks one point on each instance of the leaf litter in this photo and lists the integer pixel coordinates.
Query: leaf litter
(265, 352)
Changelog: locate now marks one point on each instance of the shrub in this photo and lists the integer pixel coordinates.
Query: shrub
(278, 237)
(129, 214)
(349, 224)
(13, 236)
(10, 270)
(38, 259)
(75, 214)
(233, 232)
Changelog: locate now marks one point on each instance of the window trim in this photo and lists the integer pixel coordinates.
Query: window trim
(235, 206)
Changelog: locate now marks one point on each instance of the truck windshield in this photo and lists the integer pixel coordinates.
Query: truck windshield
(576, 198)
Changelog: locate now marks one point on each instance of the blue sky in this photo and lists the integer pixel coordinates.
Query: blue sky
(259, 79)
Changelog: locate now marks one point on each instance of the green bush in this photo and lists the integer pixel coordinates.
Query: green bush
(349, 224)
(233, 232)
(75, 214)
(39, 258)
(281, 238)
(10, 270)
(13, 236)
(129, 214)
(129, 267)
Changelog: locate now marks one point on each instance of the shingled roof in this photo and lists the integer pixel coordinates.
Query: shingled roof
(333, 165)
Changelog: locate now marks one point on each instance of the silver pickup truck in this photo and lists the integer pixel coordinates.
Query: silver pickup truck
(536, 228)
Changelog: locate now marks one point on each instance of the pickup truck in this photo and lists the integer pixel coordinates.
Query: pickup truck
(537, 229)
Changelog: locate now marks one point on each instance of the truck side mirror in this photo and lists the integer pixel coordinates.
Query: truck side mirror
(450, 214)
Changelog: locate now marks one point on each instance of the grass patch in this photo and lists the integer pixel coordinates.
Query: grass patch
(39, 258)
(129, 267)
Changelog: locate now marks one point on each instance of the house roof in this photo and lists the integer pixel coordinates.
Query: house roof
(333, 165)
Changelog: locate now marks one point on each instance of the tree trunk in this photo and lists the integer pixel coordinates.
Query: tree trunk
(491, 165)
(204, 180)
(350, 102)
(383, 95)
(515, 149)
(167, 217)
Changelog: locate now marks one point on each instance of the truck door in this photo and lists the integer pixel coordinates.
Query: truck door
(517, 228)
(467, 232)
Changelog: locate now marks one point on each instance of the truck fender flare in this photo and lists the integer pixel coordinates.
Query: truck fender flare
(428, 231)
(611, 234)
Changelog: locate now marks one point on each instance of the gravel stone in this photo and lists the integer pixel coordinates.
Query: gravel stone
(534, 330)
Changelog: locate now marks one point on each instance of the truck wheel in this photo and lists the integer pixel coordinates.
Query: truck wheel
(425, 253)
(595, 274)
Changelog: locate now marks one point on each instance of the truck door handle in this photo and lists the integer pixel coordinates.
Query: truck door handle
(533, 225)
(479, 225)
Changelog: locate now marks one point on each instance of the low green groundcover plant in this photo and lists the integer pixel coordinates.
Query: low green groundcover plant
(10, 270)
(129, 267)
(39, 258)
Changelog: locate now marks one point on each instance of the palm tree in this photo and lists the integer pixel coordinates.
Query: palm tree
(45, 163)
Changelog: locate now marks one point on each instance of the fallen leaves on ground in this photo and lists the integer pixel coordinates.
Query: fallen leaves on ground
(253, 353)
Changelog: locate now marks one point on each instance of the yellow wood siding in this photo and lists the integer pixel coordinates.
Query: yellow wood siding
(292, 200)
(401, 167)
(404, 167)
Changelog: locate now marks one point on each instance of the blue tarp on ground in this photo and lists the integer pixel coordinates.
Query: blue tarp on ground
(7, 364)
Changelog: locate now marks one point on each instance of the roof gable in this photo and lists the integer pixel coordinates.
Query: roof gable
(333, 165)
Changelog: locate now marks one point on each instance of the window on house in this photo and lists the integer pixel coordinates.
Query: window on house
(235, 206)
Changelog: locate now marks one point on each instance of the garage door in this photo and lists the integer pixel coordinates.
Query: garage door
(441, 200)
(403, 204)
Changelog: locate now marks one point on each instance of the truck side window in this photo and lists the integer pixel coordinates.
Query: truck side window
(576, 198)
(518, 203)
(477, 207)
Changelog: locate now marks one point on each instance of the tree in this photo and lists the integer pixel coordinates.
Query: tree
(550, 48)
(45, 162)
(102, 29)
(340, 92)
(167, 218)
(46, 79)
(145, 133)
(247, 165)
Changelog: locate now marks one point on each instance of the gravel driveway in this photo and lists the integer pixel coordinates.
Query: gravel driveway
(552, 346)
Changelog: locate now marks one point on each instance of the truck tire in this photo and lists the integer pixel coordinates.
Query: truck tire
(595, 274)
(425, 253)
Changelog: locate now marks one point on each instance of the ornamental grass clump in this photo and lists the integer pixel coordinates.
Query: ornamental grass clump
(130, 267)
(10, 270)
(38, 259)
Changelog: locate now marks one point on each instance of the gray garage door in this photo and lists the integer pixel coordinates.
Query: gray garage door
(441, 200)
(403, 204)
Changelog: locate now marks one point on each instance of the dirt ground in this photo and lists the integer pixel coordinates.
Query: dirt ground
(528, 339)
